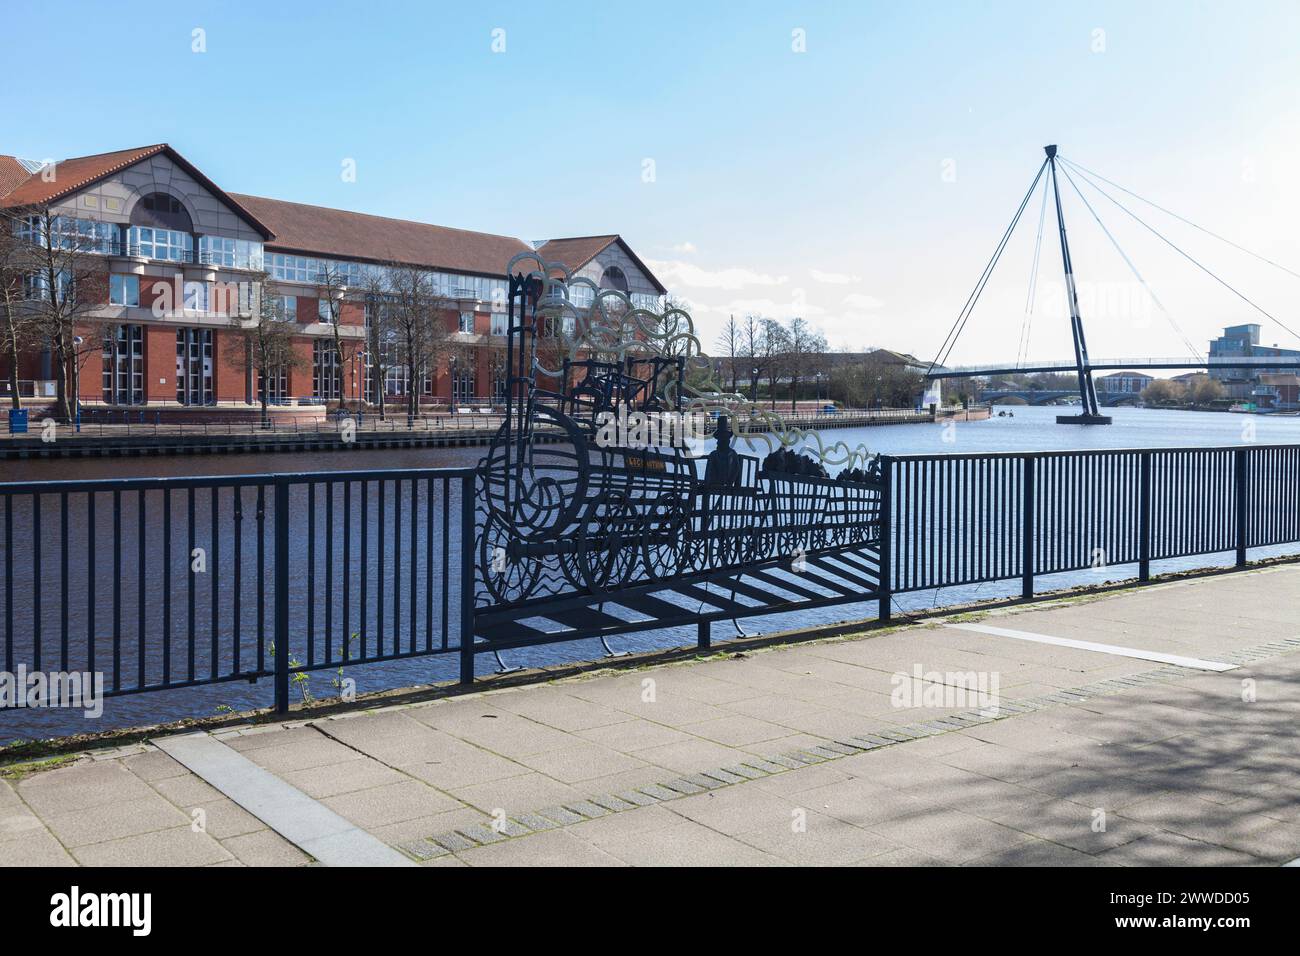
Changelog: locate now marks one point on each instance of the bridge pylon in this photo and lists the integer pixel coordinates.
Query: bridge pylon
(1087, 391)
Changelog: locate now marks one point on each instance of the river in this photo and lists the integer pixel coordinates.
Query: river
(1023, 429)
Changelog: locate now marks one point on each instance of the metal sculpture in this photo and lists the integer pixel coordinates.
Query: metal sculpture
(573, 505)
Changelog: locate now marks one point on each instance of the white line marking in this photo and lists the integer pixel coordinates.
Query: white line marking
(1194, 662)
(311, 826)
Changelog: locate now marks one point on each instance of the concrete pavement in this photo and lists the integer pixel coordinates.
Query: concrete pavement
(927, 744)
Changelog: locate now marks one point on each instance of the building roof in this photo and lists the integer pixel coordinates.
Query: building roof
(577, 251)
(80, 172)
(317, 230)
(12, 174)
(1125, 375)
(895, 358)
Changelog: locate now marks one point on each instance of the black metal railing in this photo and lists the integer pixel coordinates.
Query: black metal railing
(180, 582)
(205, 580)
(975, 518)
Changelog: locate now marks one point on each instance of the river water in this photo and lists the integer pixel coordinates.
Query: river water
(1024, 429)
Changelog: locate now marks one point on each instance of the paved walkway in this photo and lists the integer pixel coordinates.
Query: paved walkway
(799, 754)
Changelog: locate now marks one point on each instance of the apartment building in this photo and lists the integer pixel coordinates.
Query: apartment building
(167, 235)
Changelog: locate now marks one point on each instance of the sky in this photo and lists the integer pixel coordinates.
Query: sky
(854, 164)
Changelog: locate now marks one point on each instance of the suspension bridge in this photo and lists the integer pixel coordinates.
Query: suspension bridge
(1053, 169)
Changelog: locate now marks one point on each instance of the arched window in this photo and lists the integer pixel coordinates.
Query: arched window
(613, 278)
(162, 211)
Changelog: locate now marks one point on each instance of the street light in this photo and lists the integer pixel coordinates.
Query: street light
(76, 381)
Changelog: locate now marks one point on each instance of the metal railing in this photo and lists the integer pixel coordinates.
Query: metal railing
(206, 580)
(970, 519)
(180, 582)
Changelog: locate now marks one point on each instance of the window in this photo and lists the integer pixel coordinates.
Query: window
(461, 370)
(162, 211)
(123, 290)
(395, 381)
(323, 311)
(194, 366)
(35, 286)
(288, 268)
(467, 322)
(326, 375)
(124, 365)
(196, 297)
(231, 253)
(276, 385)
(498, 373)
(68, 232)
(500, 324)
(286, 307)
(614, 278)
(165, 244)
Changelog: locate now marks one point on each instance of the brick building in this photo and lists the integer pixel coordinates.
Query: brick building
(164, 231)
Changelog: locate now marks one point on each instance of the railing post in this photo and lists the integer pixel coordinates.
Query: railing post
(886, 538)
(281, 630)
(467, 545)
(1144, 517)
(1027, 527)
(704, 636)
(1241, 475)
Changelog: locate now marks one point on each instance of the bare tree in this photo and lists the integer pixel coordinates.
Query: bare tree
(379, 336)
(752, 345)
(419, 318)
(803, 345)
(265, 346)
(64, 283)
(331, 291)
(776, 346)
(17, 318)
(730, 344)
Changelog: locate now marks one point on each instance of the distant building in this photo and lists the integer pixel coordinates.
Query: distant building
(1277, 390)
(1242, 341)
(1124, 383)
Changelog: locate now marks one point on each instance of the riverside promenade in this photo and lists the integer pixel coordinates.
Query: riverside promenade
(1153, 726)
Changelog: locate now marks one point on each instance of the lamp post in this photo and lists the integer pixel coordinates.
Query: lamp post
(76, 382)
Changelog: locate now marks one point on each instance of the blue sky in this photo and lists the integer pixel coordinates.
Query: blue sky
(861, 183)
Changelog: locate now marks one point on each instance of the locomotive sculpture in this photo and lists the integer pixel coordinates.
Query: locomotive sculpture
(575, 500)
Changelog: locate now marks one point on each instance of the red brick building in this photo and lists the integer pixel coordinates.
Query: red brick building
(167, 234)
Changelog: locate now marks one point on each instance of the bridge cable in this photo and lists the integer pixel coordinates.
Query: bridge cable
(954, 333)
(1169, 212)
(1132, 268)
(1185, 255)
(1031, 297)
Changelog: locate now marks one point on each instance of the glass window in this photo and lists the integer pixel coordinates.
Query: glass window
(165, 244)
(323, 311)
(123, 290)
(68, 232)
(286, 307)
(196, 296)
(194, 366)
(327, 373)
(231, 253)
(123, 365)
(467, 322)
